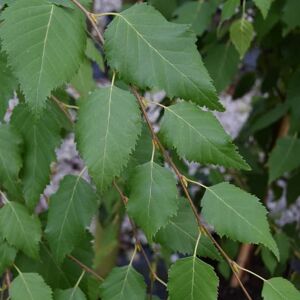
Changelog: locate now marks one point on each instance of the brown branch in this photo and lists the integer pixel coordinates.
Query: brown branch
(84, 267)
(61, 107)
(91, 18)
(184, 187)
(169, 160)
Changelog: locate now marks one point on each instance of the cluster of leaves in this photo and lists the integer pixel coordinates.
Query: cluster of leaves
(45, 46)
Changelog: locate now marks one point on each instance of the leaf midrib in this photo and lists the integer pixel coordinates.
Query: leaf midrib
(272, 286)
(235, 211)
(65, 216)
(106, 134)
(150, 194)
(26, 286)
(19, 221)
(202, 136)
(165, 59)
(44, 51)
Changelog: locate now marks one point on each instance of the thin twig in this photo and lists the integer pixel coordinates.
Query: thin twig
(250, 272)
(86, 268)
(183, 183)
(61, 107)
(181, 178)
(91, 18)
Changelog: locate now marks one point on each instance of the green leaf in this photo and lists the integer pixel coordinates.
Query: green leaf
(65, 3)
(269, 117)
(83, 81)
(222, 63)
(241, 34)
(7, 255)
(94, 54)
(69, 294)
(54, 274)
(8, 84)
(290, 15)
(19, 228)
(278, 288)
(198, 14)
(184, 227)
(10, 161)
(29, 286)
(264, 6)
(229, 9)
(192, 279)
(166, 7)
(198, 136)
(41, 137)
(268, 258)
(238, 215)
(45, 45)
(153, 197)
(70, 212)
(284, 157)
(123, 283)
(162, 55)
(293, 96)
(107, 130)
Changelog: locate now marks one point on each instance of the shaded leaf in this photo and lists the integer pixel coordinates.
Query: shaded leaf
(229, 9)
(264, 6)
(184, 227)
(70, 212)
(19, 228)
(10, 161)
(83, 81)
(54, 274)
(7, 255)
(197, 13)
(222, 63)
(241, 34)
(8, 84)
(290, 15)
(41, 137)
(94, 54)
(284, 157)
